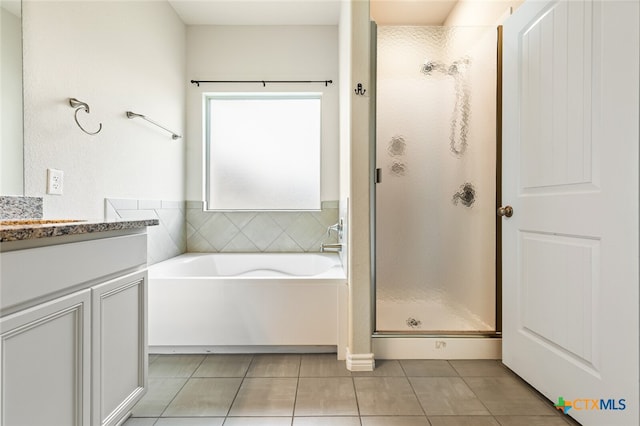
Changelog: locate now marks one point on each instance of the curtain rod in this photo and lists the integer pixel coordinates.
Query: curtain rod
(264, 82)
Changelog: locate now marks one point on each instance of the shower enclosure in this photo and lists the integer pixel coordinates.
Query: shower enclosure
(436, 200)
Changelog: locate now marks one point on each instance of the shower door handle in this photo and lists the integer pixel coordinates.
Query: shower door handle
(505, 211)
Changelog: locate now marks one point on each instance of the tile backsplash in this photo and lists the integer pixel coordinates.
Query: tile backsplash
(185, 227)
(164, 241)
(259, 231)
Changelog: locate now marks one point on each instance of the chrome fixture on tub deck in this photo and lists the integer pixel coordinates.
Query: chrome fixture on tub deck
(330, 247)
(337, 228)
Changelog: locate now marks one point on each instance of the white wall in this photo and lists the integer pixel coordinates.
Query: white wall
(263, 53)
(116, 56)
(360, 181)
(344, 52)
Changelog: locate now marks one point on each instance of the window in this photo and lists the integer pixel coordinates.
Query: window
(263, 151)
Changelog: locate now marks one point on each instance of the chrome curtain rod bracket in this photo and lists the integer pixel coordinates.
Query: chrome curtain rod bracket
(264, 82)
(174, 135)
(79, 105)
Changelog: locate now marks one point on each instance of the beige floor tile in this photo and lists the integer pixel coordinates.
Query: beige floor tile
(326, 396)
(204, 397)
(322, 365)
(508, 396)
(135, 421)
(427, 368)
(258, 421)
(395, 421)
(533, 421)
(175, 365)
(190, 421)
(380, 396)
(443, 396)
(224, 366)
(159, 394)
(326, 421)
(318, 390)
(480, 368)
(265, 397)
(384, 368)
(463, 421)
(286, 365)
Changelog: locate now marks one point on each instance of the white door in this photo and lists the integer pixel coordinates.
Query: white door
(570, 171)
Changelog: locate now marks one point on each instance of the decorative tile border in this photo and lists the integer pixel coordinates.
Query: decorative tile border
(164, 241)
(303, 231)
(14, 207)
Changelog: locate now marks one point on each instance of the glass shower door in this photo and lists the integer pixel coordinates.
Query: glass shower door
(435, 212)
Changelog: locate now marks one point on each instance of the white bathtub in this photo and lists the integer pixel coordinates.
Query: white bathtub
(250, 302)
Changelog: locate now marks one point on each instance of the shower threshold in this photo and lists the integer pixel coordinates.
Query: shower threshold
(438, 333)
(433, 345)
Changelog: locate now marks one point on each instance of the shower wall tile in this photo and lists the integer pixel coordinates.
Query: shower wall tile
(123, 204)
(305, 230)
(149, 204)
(283, 244)
(259, 231)
(241, 244)
(262, 231)
(169, 238)
(218, 230)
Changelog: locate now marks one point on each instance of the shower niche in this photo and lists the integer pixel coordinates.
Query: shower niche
(435, 206)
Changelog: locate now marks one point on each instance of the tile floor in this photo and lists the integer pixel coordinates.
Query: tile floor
(317, 390)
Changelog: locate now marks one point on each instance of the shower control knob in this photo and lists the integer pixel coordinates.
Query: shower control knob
(505, 211)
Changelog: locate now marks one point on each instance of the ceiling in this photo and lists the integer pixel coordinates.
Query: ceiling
(258, 12)
(307, 12)
(411, 12)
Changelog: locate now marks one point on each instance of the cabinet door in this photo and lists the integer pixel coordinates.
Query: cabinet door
(119, 347)
(45, 366)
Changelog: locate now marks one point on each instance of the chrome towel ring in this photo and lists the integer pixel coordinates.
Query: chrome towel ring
(78, 105)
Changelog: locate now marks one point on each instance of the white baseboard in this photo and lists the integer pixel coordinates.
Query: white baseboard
(252, 349)
(360, 362)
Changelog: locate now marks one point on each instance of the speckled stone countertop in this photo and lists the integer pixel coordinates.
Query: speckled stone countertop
(11, 230)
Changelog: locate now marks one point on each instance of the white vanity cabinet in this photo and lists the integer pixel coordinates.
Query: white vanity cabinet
(119, 354)
(46, 363)
(73, 330)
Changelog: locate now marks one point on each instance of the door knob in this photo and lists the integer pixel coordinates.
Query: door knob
(505, 211)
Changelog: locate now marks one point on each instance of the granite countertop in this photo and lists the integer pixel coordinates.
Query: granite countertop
(29, 229)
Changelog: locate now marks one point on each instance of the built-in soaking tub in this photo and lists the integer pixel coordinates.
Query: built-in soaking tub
(250, 302)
